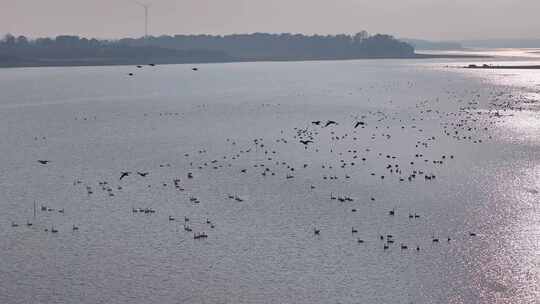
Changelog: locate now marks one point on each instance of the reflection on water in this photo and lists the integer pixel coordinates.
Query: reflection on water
(452, 153)
(499, 54)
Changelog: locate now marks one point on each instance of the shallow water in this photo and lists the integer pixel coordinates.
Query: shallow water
(92, 123)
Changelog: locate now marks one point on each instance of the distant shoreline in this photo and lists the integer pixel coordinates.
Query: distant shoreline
(502, 67)
(122, 62)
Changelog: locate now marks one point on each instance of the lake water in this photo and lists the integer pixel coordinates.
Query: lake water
(457, 148)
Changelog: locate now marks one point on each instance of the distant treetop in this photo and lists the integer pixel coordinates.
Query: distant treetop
(202, 48)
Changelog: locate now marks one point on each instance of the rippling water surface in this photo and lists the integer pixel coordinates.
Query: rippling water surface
(457, 148)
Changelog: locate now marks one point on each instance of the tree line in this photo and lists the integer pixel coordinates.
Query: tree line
(200, 48)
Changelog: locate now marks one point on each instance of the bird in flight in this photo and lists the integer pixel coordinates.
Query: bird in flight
(305, 142)
(143, 174)
(44, 162)
(124, 174)
(317, 123)
(359, 123)
(330, 122)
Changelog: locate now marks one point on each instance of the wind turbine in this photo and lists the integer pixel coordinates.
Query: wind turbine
(146, 8)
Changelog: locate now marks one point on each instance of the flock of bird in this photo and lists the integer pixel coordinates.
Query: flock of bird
(335, 150)
(195, 69)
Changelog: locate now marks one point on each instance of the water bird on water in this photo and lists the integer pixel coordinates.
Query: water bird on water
(202, 235)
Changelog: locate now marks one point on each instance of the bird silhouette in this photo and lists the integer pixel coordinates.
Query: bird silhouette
(44, 162)
(305, 142)
(330, 122)
(317, 123)
(143, 174)
(359, 123)
(124, 174)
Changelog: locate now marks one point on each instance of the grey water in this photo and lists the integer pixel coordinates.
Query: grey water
(458, 148)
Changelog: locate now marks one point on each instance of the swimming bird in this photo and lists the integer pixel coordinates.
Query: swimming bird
(200, 235)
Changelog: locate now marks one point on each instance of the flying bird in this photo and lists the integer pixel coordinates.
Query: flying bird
(330, 122)
(359, 123)
(143, 174)
(124, 174)
(317, 123)
(44, 162)
(305, 142)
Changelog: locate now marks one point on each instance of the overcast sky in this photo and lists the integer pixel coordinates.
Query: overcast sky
(431, 19)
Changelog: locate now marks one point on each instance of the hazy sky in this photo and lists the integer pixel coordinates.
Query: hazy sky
(432, 19)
